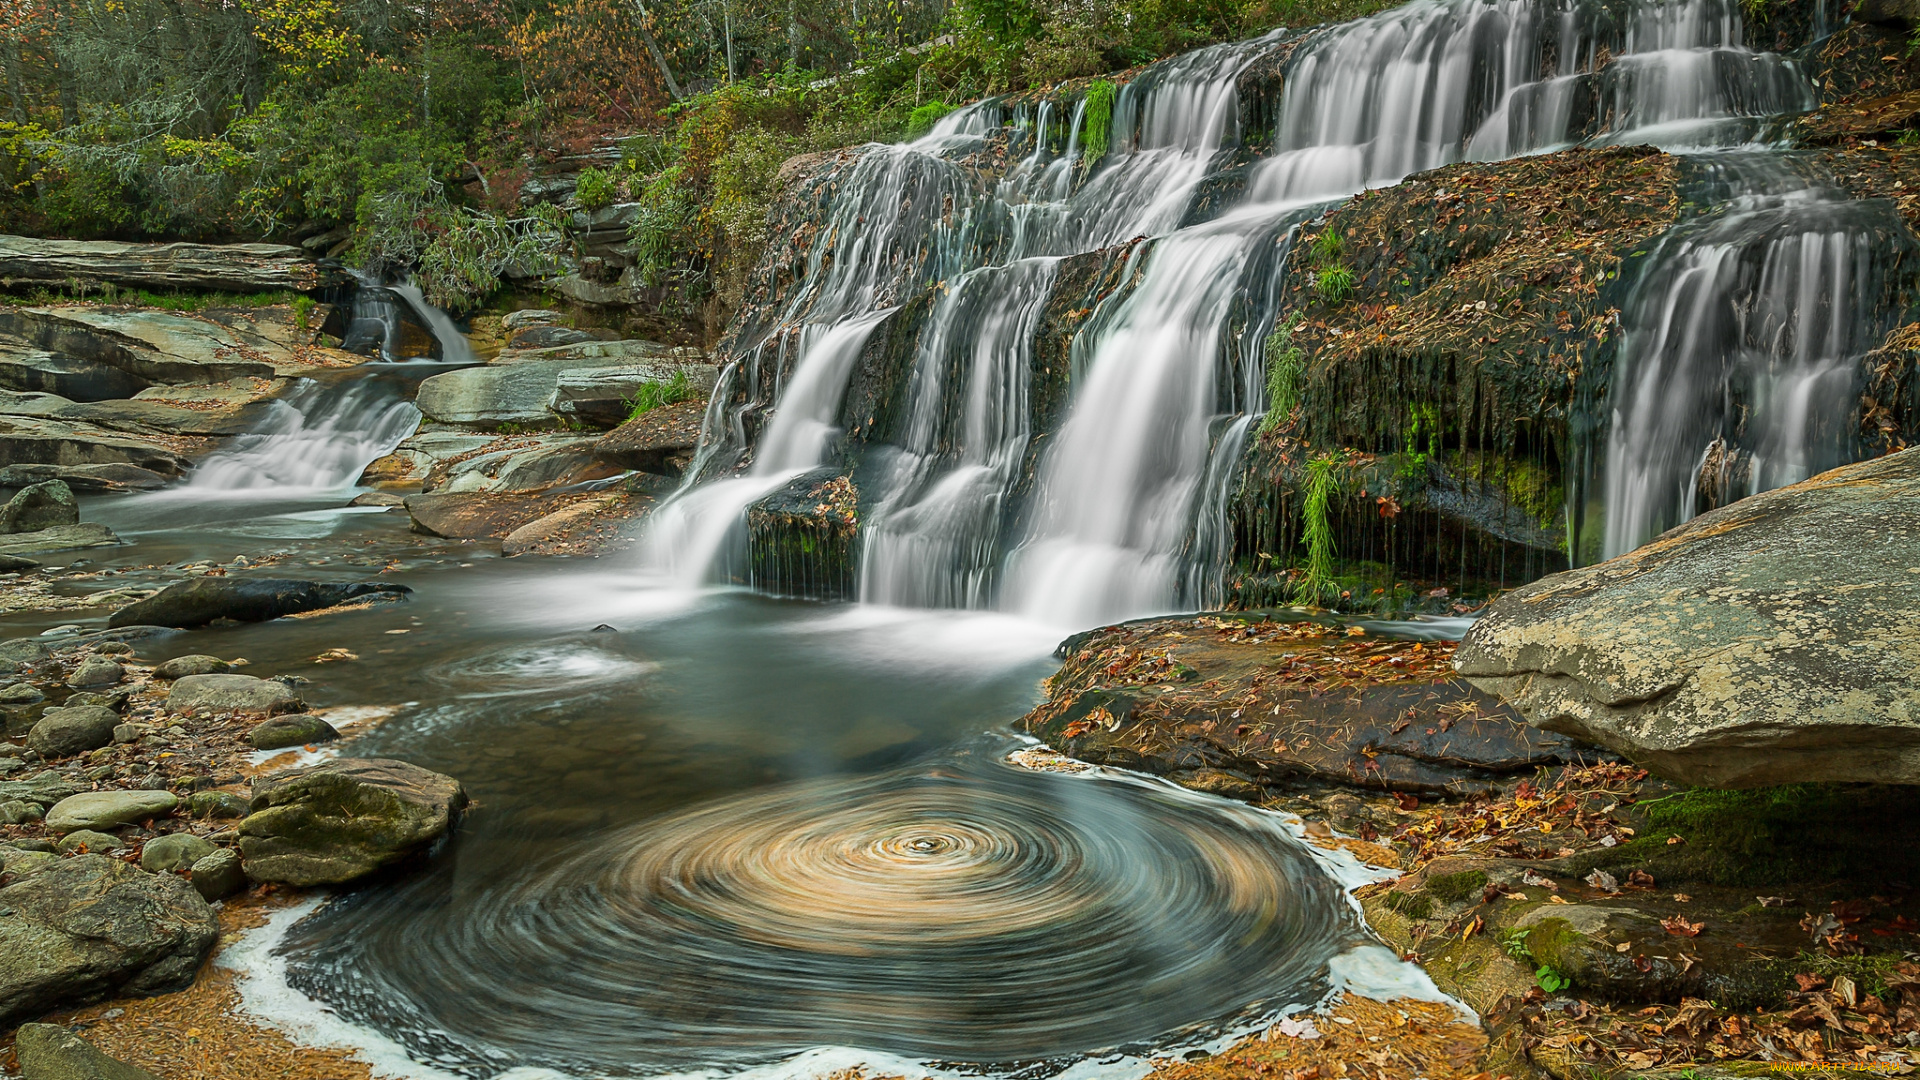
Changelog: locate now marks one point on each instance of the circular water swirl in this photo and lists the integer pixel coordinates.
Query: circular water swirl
(967, 912)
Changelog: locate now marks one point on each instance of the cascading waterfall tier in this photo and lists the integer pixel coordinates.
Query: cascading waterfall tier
(977, 496)
(961, 910)
(1739, 369)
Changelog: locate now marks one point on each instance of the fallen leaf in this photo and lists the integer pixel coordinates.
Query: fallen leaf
(1679, 926)
(1604, 881)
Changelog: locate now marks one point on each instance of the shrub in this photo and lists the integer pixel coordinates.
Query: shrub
(1285, 365)
(594, 190)
(655, 394)
(1096, 131)
(922, 119)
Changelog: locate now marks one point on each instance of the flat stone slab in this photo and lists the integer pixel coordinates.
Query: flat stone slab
(241, 268)
(59, 538)
(1771, 641)
(104, 810)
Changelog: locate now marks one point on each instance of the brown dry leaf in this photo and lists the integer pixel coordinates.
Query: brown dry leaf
(1680, 927)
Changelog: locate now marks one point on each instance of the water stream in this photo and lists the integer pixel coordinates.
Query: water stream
(716, 831)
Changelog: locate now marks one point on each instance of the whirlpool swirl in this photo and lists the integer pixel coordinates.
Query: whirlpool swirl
(962, 911)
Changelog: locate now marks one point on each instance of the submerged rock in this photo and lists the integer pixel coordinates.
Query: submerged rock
(202, 600)
(51, 1052)
(89, 927)
(342, 820)
(1770, 641)
(232, 694)
(45, 505)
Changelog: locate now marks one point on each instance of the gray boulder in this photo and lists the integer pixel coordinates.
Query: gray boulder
(204, 599)
(109, 809)
(174, 851)
(51, 1052)
(65, 732)
(342, 820)
(83, 841)
(284, 731)
(198, 664)
(96, 671)
(232, 694)
(218, 874)
(1770, 641)
(40, 506)
(216, 804)
(89, 927)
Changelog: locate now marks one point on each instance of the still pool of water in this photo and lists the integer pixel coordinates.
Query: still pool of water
(713, 830)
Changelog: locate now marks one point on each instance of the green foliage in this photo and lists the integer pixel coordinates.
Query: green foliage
(1515, 943)
(1097, 128)
(1285, 366)
(654, 394)
(458, 254)
(595, 190)
(1334, 284)
(1550, 980)
(1328, 247)
(303, 312)
(1756, 12)
(922, 119)
(1420, 443)
(1316, 530)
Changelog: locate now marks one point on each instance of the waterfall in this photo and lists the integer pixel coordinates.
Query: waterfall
(969, 496)
(319, 438)
(1740, 361)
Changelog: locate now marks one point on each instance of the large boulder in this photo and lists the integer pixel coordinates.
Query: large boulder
(51, 1052)
(604, 397)
(232, 694)
(85, 928)
(1770, 641)
(39, 506)
(342, 820)
(202, 600)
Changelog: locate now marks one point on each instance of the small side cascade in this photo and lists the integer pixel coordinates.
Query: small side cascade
(1739, 370)
(319, 438)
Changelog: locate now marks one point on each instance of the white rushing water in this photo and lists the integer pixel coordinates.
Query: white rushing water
(1738, 366)
(1119, 511)
(318, 438)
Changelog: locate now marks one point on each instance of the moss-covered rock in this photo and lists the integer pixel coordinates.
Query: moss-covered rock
(342, 820)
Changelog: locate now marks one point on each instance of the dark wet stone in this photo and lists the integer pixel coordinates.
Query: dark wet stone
(342, 820)
(203, 600)
(45, 505)
(90, 927)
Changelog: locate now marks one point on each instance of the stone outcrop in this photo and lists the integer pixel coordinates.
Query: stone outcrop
(523, 386)
(1232, 704)
(205, 599)
(658, 441)
(1767, 642)
(84, 928)
(240, 268)
(36, 440)
(342, 820)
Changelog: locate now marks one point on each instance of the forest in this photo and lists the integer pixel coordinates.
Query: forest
(401, 135)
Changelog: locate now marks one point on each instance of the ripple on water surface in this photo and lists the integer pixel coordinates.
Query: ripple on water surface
(960, 910)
